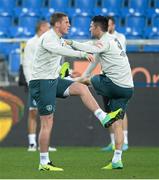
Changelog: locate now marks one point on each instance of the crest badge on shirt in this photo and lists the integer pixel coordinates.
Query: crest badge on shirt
(49, 107)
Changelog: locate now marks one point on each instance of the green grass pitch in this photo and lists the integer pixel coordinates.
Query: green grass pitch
(79, 163)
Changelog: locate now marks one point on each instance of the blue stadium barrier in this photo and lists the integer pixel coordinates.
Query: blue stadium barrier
(151, 48)
(132, 48)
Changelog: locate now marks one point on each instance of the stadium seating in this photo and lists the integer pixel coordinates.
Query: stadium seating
(155, 21)
(117, 21)
(152, 33)
(109, 7)
(137, 19)
(26, 26)
(28, 21)
(138, 7)
(54, 5)
(5, 22)
(14, 62)
(15, 31)
(83, 7)
(21, 32)
(6, 7)
(156, 3)
(45, 13)
(3, 33)
(113, 6)
(80, 27)
(81, 22)
(153, 9)
(32, 4)
(135, 26)
(5, 49)
(28, 12)
(31, 7)
(78, 34)
(58, 5)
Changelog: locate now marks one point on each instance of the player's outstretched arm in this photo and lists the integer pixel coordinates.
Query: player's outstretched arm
(65, 51)
(83, 80)
(90, 48)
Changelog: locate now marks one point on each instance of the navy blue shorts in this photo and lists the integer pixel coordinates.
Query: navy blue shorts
(43, 94)
(118, 96)
(31, 102)
(62, 85)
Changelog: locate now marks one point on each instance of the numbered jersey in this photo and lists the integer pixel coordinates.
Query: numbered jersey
(121, 38)
(111, 55)
(114, 61)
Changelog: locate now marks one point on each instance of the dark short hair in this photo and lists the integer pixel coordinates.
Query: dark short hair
(56, 17)
(101, 21)
(39, 24)
(111, 18)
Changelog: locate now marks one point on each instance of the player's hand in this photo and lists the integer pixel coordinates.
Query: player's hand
(83, 80)
(69, 42)
(89, 57)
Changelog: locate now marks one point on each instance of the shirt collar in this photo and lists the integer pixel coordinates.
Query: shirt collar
(52, 30)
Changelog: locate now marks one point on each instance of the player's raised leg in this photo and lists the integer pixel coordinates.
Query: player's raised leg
(90, 102)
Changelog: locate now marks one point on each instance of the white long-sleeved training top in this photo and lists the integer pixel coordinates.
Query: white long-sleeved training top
(46, 64)
(121, 38)
(29, 53)
(112, 58)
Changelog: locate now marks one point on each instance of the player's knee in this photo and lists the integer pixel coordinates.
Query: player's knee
(117, 124)
(78, 89)
(83, 89)
(46, 121)
(33, 113)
